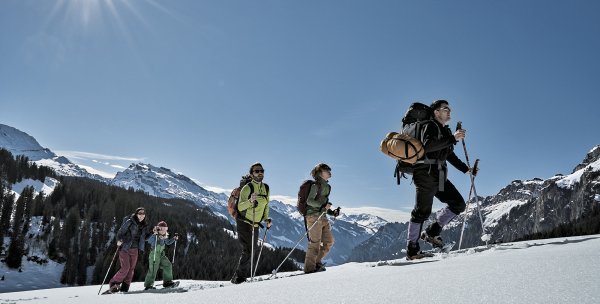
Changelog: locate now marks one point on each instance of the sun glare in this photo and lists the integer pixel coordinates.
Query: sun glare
(87, 13)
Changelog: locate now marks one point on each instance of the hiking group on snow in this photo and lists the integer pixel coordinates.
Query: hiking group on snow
(421, 149)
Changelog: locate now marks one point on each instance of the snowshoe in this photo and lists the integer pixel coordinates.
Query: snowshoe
(171, 284)
(446, 248)
(420, 255)
(112, 289)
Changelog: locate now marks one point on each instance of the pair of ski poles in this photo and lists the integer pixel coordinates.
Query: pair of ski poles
(252, 267)
(471, 191)
(274, 272)
(115, 255)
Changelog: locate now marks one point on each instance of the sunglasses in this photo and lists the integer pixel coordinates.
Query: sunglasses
(447, 109)
(258, 171)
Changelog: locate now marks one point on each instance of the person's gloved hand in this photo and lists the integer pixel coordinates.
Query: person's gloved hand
(335, 212)
(269, 223)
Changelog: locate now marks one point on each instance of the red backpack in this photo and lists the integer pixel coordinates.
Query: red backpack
(234, 198)
(303, 195)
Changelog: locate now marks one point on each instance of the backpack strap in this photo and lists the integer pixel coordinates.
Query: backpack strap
(318, 190)
(306, 229)
(251, 189)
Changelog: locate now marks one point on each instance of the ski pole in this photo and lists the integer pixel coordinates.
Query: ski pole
(155, 245)
(111, 263)
(484, 233)
(174, 250)
(274, 272)
(262, 244)
(459, 127)
(465, 218)
(252, 252)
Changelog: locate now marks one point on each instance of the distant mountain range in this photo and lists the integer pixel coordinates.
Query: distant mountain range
(519, 209)
(349, 229)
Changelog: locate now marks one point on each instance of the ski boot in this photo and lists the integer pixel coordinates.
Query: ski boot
(124, 287)
(320, 267)
(237, 280)
(431, 235)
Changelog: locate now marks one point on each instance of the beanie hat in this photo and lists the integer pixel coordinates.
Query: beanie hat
(437, 104)
(162, 224)
(139, 209)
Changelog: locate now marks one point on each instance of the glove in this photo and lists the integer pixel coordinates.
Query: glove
(269, 223)
(473, 171)
(255, 204)
(335, 212)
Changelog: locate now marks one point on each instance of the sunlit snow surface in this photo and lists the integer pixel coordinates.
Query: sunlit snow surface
(563, 270)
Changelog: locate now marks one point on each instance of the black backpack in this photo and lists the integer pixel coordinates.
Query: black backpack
(416, 116)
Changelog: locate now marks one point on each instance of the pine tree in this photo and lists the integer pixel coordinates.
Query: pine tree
(17, 244)
(6, 203)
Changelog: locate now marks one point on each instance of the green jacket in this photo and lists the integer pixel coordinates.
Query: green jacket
(316, 205)
(160, 247)
(261, 212)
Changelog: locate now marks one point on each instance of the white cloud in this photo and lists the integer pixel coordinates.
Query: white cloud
(215, 189)
(96, 171)
(94, 156)
(285, 199)
(390, 215)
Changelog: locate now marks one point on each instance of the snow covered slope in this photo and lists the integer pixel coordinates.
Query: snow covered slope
(549, 271)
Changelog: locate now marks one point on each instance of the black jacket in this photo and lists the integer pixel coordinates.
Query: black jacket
(439, 142)
(129, 229)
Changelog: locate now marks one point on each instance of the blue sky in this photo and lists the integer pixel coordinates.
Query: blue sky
(208, 87)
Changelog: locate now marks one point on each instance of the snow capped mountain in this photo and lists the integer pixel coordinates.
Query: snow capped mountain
(519, 209)
(162, 182)
(21, 143)
(349, 230)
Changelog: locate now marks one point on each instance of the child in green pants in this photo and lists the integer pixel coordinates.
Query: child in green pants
(158, 259)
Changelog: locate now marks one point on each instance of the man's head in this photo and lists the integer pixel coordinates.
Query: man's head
(321, 170)
(441, 111)
(257, 172)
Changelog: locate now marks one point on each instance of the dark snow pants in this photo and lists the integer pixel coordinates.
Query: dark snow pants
(244, 231)
(128, 260)
(427, 182)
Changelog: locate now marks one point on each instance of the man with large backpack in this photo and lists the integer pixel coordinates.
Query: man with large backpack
(430, 179)
(252, 208)
(320, 236)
